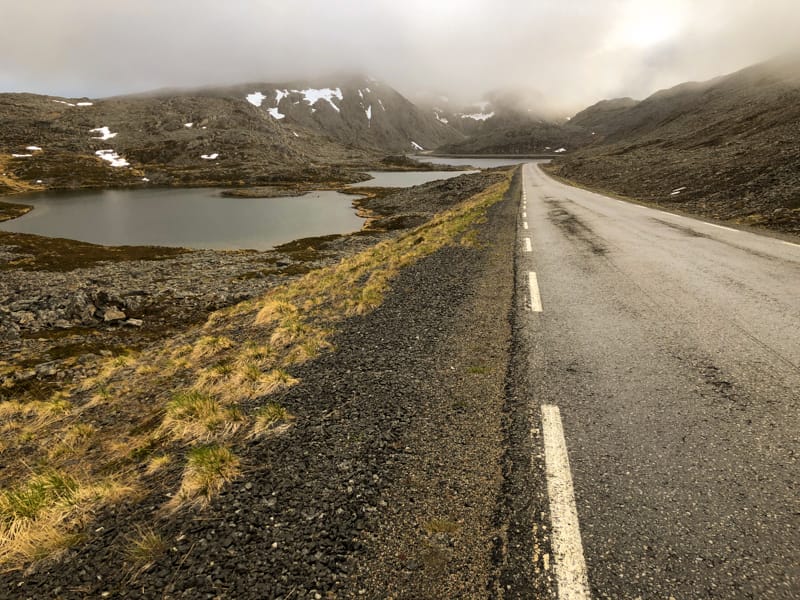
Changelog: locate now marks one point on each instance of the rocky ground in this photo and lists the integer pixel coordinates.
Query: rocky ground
(386, 482)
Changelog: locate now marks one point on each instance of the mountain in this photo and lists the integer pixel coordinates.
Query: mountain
(512, 121)
(726, 148)
(249, 134)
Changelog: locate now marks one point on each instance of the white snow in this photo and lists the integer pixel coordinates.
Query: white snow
(188, 125)
(479, 116)
(361, 94)
(369, 113)
(21, 155)
(256, 98)
(416, 146)
(677, 191)
(313, 95)
(62, 102)
(39, 181)
(560, 150)
(440, 118)
(381, 103)
(85, 104)
(369, 91)
(547, 147)
(294, 133)
(145, 179)
(105, 133)
(275, 113)
(210, 156)
(280, 95)
(112, 157)
(33, 148)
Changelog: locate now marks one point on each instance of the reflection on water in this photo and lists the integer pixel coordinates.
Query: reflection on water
(190, 218)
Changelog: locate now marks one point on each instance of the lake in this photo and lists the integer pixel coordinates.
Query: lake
(186, 217)
(406, 178)
(481, 163)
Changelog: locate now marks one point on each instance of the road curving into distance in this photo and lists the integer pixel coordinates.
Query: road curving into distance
(670, 347)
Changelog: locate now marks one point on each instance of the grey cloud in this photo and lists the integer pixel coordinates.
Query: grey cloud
(571, 52)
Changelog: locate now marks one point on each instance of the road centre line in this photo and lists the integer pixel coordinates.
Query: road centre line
(524, 215)
(528, 247)
(570, 565)
(524, 224)
(536, 298)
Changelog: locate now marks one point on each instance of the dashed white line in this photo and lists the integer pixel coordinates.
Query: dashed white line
(528, 247)
(524, 224)
(722, 227)
(570, 565)
(536, 298)
(524, 215)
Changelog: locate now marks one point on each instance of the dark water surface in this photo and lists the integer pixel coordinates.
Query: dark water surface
(186, 217)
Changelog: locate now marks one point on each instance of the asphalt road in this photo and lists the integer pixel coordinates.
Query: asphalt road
(671, 347)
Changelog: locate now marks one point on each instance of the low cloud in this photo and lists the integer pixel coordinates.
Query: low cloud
(574, 53)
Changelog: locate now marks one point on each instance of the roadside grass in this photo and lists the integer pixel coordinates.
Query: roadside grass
(37, 515)
(208, 469)
(145, 547)
(191, 400)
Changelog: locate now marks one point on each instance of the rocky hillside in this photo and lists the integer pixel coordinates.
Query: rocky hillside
(250, 134)
(725, 148)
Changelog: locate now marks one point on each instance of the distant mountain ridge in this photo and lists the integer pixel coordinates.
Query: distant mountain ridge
(247, 134)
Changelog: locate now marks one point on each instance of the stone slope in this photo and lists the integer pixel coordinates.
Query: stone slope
(725, 148)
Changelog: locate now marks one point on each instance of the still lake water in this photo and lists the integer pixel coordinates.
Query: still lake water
(481, 163)
(187, 218)
(406, 178)
(201, 218)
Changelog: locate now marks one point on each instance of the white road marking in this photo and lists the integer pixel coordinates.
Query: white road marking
(536, 298)
(721, 227)
(791, 244)
(570, 565)
(528, 247)
(524, 215)
(524, 224)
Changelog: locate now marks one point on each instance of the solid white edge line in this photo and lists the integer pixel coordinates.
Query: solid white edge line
(570, 565)
(528, 247)
(536, 298)
(524, 224)
(790, 244)
(722, 227)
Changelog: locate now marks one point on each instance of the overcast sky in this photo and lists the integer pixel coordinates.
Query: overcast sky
(574, 51)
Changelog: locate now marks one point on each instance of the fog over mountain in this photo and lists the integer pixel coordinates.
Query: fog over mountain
(573, 52)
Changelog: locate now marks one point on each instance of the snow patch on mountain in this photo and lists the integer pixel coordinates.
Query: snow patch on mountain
(256, 98)
(105, 133)
(210, 156)
(275, 113)
(110, 156)
(416, 146)
(479, 116)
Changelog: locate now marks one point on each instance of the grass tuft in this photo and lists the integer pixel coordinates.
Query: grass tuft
(196, 414)
(146, 547)
(208, 469)
(270, 417)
